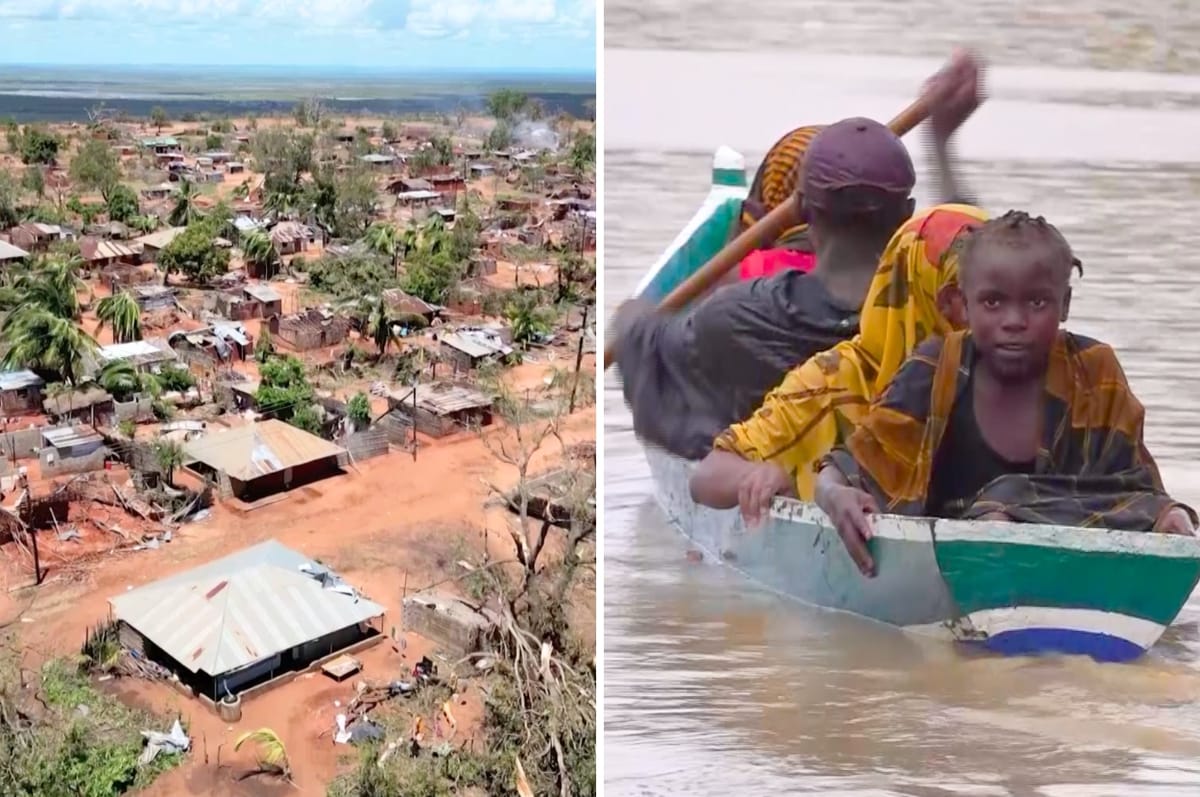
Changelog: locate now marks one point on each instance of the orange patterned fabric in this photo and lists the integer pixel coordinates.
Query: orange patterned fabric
(1092, 470)
(778, 177)
(821, 401)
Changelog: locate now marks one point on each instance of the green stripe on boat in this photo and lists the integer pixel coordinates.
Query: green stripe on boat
(995, 574)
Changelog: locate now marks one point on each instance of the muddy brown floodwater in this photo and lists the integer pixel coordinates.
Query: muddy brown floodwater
(712, 686)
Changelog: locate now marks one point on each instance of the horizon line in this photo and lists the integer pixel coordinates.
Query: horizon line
(381, 68)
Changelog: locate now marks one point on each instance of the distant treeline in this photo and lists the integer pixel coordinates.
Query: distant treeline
(26, 109)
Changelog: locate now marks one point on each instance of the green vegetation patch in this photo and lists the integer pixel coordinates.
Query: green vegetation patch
(61, 737)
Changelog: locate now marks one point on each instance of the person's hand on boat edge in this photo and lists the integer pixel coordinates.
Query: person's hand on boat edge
(1176, 521)
(758, 488)
(954, 93)
(848, 509)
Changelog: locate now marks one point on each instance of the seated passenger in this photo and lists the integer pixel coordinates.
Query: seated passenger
(1013, 419)
(688, 376)
(777, 179)
(777, 449)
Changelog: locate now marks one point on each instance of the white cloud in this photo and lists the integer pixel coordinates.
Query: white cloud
(421, 17)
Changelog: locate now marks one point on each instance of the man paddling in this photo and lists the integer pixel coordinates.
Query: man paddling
(687, 377)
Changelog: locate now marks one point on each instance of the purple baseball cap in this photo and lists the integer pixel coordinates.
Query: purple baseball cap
(856, 166)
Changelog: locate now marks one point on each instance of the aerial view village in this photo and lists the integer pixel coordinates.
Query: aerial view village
(297, 485)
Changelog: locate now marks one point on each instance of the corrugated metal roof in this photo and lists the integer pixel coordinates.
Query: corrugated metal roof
(98, 249)
(241, 609)
(259, 449)
(444, 398)
(264, 293)
(18, 380)
(10, 252)
(160, 239)
(138, 350)
(69, 437)
(475, 343)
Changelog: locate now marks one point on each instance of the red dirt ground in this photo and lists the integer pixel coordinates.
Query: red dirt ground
(385, 524)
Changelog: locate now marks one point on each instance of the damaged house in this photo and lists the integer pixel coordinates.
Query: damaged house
(313, 329)
(441, 408)
(20, 392)
(471, 347)
(220, 342)
(245, 619)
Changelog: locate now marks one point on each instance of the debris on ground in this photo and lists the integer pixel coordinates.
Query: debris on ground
(174, 742)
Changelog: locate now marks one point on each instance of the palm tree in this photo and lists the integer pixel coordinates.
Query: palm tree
(50, 283)
(385, 240)
(40, 339)
(120, 379)
(185, 205)
(379, 323)
(259, 251)
(272, 755)
(169, 454)
(432, 234)
(527, 320)
(122, 314)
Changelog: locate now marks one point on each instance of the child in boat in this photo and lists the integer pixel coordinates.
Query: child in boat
(1011, 419)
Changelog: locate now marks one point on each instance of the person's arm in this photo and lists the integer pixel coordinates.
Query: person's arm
(848, 508)
(724, 480)
(950, 189)
(715, 482)
(953, 95)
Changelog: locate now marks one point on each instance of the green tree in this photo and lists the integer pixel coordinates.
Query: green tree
(122, 203)
(583, 153)
(259, 251)
(308, 418)
(354, 205)
(431, 275)
(379, 323)
(505, 104)
(52, 283)
(169, 455)
(358, 410)
(39, 146)
(528, 319)
(96, 166)
(122, 314)
(9, 197)
(120, 379)
(195, 254)
(186, 209)
(443, 150)
(33, 181)
(389, 132)
(158, 116)
(285, 393)
(383, 239)
(213, 142)
(264, 347)
(40, 340)
(499, 137)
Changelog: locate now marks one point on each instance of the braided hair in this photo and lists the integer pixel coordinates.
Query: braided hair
(1016, 229)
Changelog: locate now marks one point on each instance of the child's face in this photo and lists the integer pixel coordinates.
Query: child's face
(1015, 300)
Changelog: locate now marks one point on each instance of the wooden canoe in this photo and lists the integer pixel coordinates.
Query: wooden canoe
(1017, 589)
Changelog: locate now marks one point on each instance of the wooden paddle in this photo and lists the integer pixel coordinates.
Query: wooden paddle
(767, 228)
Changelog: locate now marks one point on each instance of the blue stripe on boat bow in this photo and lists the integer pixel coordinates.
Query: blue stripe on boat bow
(1069, 641)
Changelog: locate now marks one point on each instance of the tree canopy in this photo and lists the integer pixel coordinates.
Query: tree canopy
(95, 166)
(195, 254)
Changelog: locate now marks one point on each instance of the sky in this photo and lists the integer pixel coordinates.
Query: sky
(421, 35)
